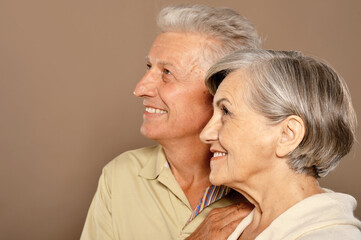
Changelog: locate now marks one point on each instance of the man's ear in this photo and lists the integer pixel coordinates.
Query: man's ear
(293, 131)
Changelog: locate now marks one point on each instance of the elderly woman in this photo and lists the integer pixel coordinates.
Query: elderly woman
(282, 120)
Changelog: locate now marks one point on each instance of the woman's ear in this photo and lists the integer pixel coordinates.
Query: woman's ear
(293, 131)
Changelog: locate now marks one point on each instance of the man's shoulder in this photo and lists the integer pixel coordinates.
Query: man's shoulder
(127, 167)
(134, 158)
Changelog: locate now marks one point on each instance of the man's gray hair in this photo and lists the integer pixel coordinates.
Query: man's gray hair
(227, 30)
(282, 84)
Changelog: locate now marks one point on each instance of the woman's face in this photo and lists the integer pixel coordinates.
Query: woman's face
(243, 141)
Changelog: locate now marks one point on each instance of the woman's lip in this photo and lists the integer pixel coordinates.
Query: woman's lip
(218, 155)
(216, 158)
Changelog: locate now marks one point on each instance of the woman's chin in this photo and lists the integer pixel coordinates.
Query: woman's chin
(215, 180)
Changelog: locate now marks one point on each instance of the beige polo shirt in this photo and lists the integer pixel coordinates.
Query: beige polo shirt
(139, 198)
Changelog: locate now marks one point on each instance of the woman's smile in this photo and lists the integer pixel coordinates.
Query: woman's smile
(218, 155)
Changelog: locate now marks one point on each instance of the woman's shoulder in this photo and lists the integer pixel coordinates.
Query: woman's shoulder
(328, 214)
(334, 232)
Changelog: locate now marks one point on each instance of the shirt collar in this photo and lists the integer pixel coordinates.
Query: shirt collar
(155, 164)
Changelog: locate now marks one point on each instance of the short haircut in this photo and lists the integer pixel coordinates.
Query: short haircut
(227, 30)
(282, 84)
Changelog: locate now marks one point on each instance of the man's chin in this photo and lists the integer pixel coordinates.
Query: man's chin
(150, 133)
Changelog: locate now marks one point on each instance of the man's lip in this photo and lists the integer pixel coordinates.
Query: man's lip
(154, 111)
(151, 106)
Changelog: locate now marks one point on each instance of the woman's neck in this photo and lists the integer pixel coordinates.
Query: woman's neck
(281, 192)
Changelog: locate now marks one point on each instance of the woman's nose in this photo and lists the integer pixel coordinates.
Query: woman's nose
(209, 133)
(146, 87)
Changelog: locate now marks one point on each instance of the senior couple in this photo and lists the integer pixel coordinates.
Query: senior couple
(243, 136)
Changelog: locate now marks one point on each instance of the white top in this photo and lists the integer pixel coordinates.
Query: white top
(322, 216)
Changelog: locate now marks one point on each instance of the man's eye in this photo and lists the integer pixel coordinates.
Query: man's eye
(149, 66)
(167, 72)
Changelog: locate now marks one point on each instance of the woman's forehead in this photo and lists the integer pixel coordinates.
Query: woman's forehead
(230, 89)
(233, 82)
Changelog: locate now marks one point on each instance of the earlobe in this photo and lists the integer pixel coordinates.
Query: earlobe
(293, 131)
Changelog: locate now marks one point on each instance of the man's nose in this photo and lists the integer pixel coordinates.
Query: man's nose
(209, 133)
(146, 87)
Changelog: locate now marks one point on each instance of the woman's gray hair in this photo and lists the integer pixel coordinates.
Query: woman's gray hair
(282, 84)
(227, 30)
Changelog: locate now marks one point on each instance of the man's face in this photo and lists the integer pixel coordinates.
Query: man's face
(177, 103)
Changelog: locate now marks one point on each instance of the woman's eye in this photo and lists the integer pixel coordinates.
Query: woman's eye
(148, 66)
(166, 71)
(225, 110)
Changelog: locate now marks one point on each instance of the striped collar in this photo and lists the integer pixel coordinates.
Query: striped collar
(211, 195)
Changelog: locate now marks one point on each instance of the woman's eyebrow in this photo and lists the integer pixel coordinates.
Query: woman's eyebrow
(222, 100)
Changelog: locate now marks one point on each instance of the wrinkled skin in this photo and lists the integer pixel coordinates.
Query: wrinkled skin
(221, 222)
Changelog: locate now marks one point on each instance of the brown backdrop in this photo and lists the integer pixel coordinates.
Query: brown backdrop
(67, 72)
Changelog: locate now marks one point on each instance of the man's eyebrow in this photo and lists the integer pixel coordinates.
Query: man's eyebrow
(222, 100)
(147, 59)
(165, 63)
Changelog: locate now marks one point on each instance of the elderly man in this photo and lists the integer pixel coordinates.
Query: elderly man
(163, 192)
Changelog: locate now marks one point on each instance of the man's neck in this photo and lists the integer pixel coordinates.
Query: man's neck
(189, 162)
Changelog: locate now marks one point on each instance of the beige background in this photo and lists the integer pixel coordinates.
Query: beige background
(67, 72)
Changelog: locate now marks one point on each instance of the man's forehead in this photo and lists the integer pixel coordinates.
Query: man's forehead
(182, 50)
(189, 39)
(185, 61)
(178, 43)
